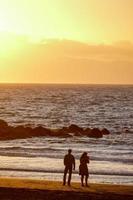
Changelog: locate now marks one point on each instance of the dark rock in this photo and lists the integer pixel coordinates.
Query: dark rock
(3, 124)
(7, 133)
(19, 132)
(105, 131)
(4, 129)
(95, 133)
(77, 134)
(41, 131)
(86, 131)
(75, 129)
(70, 131)
(63, 132)
(22, 131)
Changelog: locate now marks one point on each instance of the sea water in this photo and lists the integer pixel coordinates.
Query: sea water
(55, 106)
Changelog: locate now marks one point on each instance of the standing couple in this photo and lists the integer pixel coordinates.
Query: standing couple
(69, 162)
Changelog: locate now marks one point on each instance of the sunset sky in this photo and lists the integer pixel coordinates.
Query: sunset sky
(66, 41)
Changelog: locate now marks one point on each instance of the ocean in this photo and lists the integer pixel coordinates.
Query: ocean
(55, 106)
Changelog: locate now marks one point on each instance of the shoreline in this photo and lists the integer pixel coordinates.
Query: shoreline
(20, 188)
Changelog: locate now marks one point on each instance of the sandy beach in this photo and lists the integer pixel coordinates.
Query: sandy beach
(29, 189)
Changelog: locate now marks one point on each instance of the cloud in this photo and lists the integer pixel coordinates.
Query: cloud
(70, 61)
(122, 51)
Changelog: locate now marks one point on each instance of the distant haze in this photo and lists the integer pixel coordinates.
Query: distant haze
(66, 41)
(64, 61)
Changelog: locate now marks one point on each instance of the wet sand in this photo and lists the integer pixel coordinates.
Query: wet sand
(29, 189)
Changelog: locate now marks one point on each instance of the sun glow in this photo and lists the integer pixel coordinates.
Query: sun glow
(12, 43)
(8, 44)
(3, 25)
(87, 21)
(66, 41)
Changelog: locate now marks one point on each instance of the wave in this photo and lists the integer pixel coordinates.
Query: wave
(27, 148)
(49, 153)
(110, 173)
(113, 159)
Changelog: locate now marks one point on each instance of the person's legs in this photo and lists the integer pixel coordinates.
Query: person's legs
(86, 180)
(70, 176)
(82, 180)
(64, 177)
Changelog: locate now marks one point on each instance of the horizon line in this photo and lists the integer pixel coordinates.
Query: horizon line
(52, 83)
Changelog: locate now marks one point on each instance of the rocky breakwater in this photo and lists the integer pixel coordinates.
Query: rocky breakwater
(8, 132)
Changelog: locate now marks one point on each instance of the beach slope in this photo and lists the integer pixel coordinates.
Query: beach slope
(29, 189)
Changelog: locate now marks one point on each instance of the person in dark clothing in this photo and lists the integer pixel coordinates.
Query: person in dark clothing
(83, 168)
(69, 162)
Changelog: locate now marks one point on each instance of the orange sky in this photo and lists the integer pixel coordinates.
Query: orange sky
(103, 30)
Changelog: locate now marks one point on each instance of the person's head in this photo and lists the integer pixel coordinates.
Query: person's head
(84, 154)
(69, 151)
